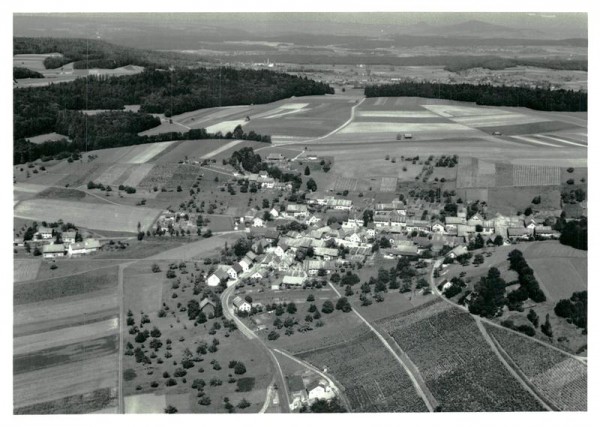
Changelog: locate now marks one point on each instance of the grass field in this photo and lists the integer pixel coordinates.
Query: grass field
(87, 215)
(559, 378)
(373, 380)
(462, 373)
(25, 269)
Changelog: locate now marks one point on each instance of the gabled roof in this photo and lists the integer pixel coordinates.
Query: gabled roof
(47, 249)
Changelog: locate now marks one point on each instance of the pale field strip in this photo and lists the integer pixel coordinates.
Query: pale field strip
(150, 151)
(138, 173)
(504, 119)
(62, 308)
(88, 215)
(226, 126)
(564, 384)
(528, 175)
(65, 336)
(532, 140)
(222, 148)
(450, 111)
(399, 114)
(380, 101)
(64, 380)
(29, 188)
(195, 119)
(148, 403)
(384, 127)
(561, 140)
(112, 173)
(25, 269)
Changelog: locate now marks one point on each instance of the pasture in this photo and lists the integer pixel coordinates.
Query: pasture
(25, 269)
(87, 215)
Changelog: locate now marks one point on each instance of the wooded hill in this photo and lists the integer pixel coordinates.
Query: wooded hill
(507, 96)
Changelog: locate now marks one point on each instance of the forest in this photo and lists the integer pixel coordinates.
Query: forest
(25, 73)
(89, 53)
(485, 94)
(157, 91)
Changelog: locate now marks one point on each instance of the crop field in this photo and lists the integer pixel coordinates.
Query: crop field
(373, 380)
(388, 184)
(559, 378)
(25, 269)
(560, 277)
(65, 343)
(111, 174)
(88, 215)
(524, 175)
(463, 372)
(71, 174)
(193, 150)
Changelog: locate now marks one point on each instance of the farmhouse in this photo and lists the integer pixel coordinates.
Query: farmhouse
(296, 210)
(319, 390)
(298, 395)
(45, 232)
(295, 279)
(86, 247)
(258, 222)
(207, 306)
(241, 305)
(458, 251)
(312, 267)
(69, 236)
(463, 230)
(53, 251)
(438, 227)
(275, 157)
(326, 254)
(546, 232)
(234, 270)
(520, 233)
(338, 204)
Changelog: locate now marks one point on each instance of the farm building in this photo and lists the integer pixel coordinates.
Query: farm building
(296, 210)
(463, 230)
(546, 232)
(326, 254)
(275, 157)
(519, 233)
(312, 267)
(86, 247)
(207, 306)
(240, 305)
(298, 395)
(338, 204)
(438, 227)
(53, 251)
(45, 232)
(293, 279)
(234, 270)
(458, 251)
(69, 236)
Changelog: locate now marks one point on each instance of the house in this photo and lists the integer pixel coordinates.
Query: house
(296, 210)
(207, 306)
(19, 241)
(418, 225)
(88, 246)
(45, 232)
(298, 395)
(69, 236)
(464, 230)
(325, 253)
(281, 249)
(251, 256)
(241, 305)
(217, 277)
(258, 222)
(294, 279)
(338, 204)
(457, 251)
(268, 233)
(438, 227)
(245, 263)
(266, 182)
(53, 251)
(319, 390)
(312, 220)
(487, 227)
(259, 274)
(275, 157)
(354, 238)
(234, 271)
(530, 223)
(274, 213)
(519, 233)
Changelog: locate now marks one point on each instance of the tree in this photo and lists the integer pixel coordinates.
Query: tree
(170, 410)
(348, 291)
(240, 368)
(307, 171)
(498, 240)
(367, 217)
(327, 307)
(155, 268)
(533, 317)
(291, 308)
(547, 327)
(343, 304)
(311, 185)
(310, 298)
(272, 336)
(489, 295)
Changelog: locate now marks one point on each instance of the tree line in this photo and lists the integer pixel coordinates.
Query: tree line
(25, 73)
(486, 94)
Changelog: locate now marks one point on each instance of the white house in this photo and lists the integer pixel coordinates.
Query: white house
(319, 390)
(69, 236)
(45, 232)
(280, 249)
(245, 263)
(274, 213)
(88, 246)
(234, 270)
(438, 227)
(216, 278)
(241, 305)
(258, 222)
(354, 238)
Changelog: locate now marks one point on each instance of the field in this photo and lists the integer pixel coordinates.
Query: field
(25, 269)
(373, 380)
(65, 344)
(88, 215)
(462, 373)
(559, 378)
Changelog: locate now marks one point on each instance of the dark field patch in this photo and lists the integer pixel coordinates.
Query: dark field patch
(78, 404)
(65, 354)
(245, 384)
(527, 128)
(92, 281)
(61, 193)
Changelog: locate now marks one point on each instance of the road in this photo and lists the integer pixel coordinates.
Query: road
(409, 367)
(229, 314)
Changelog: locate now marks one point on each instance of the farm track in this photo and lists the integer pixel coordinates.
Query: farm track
(409, 367)
(513, 368)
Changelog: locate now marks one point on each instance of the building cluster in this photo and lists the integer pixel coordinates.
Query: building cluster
(306, 391)
(54, 244)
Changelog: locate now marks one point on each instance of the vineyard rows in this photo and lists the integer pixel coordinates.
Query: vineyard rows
(528, 175)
